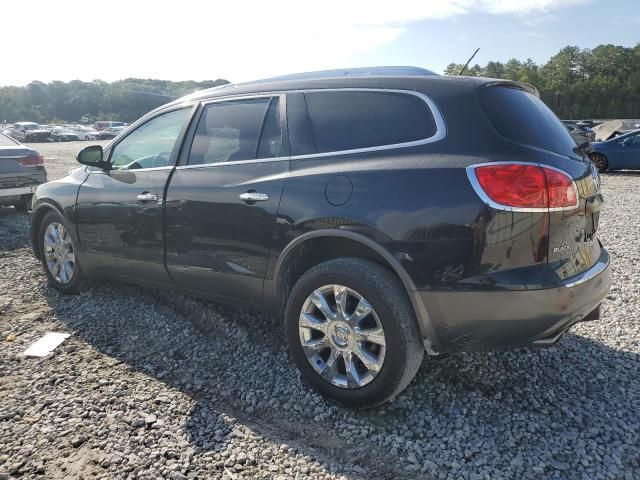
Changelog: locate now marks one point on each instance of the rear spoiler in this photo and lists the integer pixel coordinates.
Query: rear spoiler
(527, 87)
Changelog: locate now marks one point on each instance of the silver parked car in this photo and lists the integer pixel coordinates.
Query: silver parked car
(30, 132)
(21, 171)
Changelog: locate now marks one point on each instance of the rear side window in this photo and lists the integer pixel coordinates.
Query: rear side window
(237, 130)
(348, 120)
(523, 118)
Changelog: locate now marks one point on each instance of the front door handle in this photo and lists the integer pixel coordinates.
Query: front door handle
(147, 197)
(253, 196)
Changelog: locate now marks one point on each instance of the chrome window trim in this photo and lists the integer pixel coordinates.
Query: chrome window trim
(498, 206)
(281, 96)
(138, 123)
(133, 170)
(441, 129)
(440, 133)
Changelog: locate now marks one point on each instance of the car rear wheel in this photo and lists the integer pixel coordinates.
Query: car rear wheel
(352, 332)
(58, 255)
(600, 161)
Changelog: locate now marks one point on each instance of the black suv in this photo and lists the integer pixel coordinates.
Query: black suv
(380, 213)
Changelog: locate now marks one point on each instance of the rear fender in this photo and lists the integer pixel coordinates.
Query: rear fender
(290, 251)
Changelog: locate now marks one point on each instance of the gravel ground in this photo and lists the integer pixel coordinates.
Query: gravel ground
(155, 385)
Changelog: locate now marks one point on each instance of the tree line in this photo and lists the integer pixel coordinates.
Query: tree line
(577, 83)
(59, 102)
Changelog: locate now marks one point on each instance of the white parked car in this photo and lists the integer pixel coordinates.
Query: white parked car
(85, 133)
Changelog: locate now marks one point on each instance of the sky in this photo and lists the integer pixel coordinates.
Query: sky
(243, 40)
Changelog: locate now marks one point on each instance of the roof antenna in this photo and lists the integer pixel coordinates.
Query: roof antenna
(468, 62)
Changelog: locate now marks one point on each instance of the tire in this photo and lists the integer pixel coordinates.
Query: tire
(403, 347)
(24, 203)
(600, 161)
(77, 280)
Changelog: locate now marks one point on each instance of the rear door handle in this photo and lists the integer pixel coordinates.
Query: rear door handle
(253, 196)
(147, 197)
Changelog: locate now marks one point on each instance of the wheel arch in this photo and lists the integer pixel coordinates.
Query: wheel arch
(37, 215)
(307, 251)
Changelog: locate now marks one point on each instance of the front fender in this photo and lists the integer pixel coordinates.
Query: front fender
(59, 196)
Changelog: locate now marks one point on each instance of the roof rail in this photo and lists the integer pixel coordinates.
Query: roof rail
(391, 71)
(340, 72)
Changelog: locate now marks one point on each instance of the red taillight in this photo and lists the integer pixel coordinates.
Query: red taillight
(526, 186)
(34, 160)
(562, 190)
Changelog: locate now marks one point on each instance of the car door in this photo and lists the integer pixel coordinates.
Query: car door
(120, 211)
(630, 152)
(222, 200)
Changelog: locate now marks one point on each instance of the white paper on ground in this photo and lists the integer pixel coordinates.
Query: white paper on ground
(46, 344)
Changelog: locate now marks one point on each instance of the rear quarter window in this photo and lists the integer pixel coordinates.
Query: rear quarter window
(349, 120)
(523, 118)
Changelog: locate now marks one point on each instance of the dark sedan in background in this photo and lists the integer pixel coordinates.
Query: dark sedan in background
(62, 134)
(21, 171)
(581, 132)
(617, 153)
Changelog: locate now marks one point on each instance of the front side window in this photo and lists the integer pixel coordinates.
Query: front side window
(349, 120)
(634, 139)
(237, 130)
(151, 144)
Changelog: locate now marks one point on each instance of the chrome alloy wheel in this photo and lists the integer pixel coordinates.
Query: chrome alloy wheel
(58, 252)
(342, 336)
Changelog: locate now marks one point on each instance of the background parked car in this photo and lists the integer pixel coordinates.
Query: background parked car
(580, 132)
(110, 132)
(30, 132)
(85, 133)
(62, 134)
(618, 152)
(21, 171)
(101, 125)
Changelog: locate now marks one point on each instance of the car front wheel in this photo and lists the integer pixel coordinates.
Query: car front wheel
(352, 332)
(58, 255)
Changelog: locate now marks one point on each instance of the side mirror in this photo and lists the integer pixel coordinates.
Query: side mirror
(92, 156)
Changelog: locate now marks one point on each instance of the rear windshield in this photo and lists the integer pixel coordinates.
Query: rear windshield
(6, 141)
(524, 118)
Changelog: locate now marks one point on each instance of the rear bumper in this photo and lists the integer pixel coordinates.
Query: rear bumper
(16, 192)
(495, 319)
